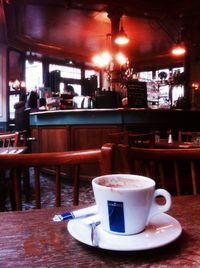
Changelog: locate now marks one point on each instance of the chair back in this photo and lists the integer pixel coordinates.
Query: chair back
(168, 167)
(133, 139)
(185, 135)
(141, 139)
(103, 156)
(119, 137)
(9, 139)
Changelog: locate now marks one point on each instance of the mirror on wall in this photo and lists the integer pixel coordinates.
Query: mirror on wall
(15, 78)
(16, 69)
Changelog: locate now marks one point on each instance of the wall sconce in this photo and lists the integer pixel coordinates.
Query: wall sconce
(121, 38)
(16, 85)
(196, 86)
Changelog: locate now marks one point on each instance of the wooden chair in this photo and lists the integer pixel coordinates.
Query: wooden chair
(118, 137)
(185, 135)
(160, 164)
(141, 139)
(103, 156)
(18, 139)
(133, 139)
(25, 140)
(9, 139)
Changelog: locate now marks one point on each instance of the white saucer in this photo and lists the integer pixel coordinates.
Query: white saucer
(161, 230)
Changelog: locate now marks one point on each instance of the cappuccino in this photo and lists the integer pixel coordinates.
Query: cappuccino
(118, 182)
(127, 202)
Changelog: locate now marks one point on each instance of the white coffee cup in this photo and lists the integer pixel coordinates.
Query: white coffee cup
(127, 202)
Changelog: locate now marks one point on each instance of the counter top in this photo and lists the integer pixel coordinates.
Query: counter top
(118, 116)
(102, 110)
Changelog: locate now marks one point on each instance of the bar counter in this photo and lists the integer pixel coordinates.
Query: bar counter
(89, 128)
(80, 129)
(174, 118)
(32, 239)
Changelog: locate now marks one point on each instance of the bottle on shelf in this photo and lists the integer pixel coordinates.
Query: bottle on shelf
(170, 139)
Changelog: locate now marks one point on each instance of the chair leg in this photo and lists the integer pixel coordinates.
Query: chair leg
(194, 177)
(161, 173)
(58, 187)
(17, 188)
(26, 183)
(37, 188)
(76, 185)
(12, 195)
(3, 193)
(177, 179)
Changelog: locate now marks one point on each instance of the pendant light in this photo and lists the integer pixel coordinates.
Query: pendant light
(179, 49)
(121, 38)
(106, 57)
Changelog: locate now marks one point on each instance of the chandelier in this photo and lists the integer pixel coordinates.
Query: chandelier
(108, 56)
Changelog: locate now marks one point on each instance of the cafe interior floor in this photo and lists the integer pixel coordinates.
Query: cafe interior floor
(47, 183)
(48, 193)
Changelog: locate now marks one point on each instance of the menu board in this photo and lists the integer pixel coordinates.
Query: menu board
(137, 94)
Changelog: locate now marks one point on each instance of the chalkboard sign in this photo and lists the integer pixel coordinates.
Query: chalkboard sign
(137, 94)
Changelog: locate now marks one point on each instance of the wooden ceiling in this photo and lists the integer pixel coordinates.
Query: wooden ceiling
(77, 29)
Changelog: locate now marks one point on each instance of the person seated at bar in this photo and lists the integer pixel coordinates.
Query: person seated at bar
(22, 112)
(42, 104)
(69, 90)
(66, 101)
(33, 101)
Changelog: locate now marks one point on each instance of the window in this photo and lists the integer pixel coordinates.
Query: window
(146, 75)
(33, 75)
(158, 88)
(180, 69)
(178, 90)
(89, 73)
(162, 70)
(66, 71)
(13, 98)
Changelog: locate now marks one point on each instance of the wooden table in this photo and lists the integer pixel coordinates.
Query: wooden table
(163, 144)
(32, 239)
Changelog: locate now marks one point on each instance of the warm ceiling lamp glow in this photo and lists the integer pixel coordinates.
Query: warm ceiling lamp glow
(106, 58)
(103, 59)
(121, 38)
(179, 50)
(96, 59)
(121, 59)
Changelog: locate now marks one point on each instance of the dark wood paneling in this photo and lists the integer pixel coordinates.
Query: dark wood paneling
(91, 137)
(51, 139)
(65, 138)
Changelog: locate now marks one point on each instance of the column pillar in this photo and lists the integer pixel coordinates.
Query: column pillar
(114, 14)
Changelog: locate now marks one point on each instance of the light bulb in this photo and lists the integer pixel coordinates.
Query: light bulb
(121, 38)
(103, 59)
(178, 50)
(121, 59)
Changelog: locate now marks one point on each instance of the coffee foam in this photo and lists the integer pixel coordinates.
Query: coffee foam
(117, 182)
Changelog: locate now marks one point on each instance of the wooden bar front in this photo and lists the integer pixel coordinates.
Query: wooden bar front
(64, 130)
